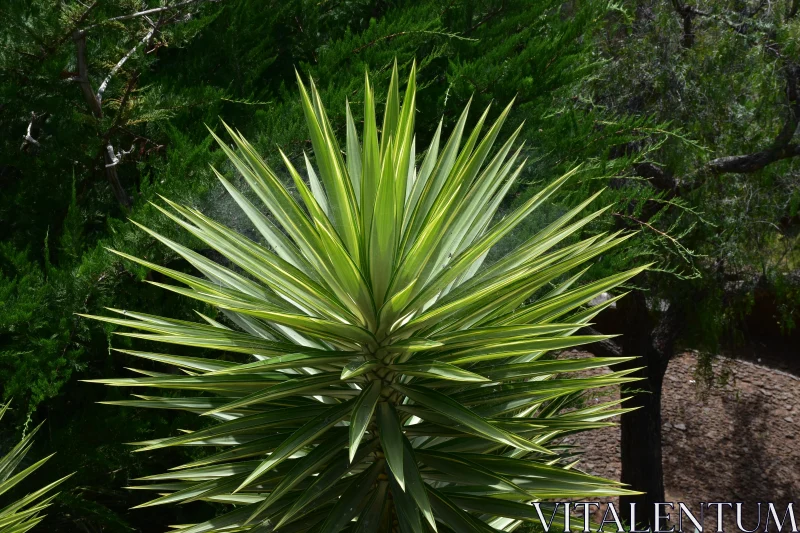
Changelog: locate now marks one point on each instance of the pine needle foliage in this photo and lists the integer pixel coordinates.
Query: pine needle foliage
(383, 377)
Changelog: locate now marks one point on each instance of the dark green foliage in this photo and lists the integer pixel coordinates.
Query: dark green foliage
(603, 84)
(233, 59)
(724, 225)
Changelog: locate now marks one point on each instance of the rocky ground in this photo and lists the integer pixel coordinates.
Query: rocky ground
(738, 442)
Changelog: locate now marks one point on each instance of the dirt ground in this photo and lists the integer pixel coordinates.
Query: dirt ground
(734, 443)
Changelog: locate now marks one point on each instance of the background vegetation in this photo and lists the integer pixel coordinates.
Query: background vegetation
(687, 112)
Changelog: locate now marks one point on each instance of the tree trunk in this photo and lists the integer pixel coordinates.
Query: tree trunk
(640, 450)
(640, 445)
(116, 186)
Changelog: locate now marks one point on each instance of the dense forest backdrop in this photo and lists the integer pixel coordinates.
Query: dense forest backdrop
(686, 112)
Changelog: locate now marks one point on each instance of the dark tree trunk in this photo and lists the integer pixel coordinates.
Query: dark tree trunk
(640, 446)
(687, 41)
(113, 179)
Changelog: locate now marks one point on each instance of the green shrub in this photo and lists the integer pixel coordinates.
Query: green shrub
(383, 376)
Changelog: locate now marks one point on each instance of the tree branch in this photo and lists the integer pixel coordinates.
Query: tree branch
(80, 20)
(147, 12)
(781, 148)
(113, 179)
(94, 99)
(83, 75)
(688, 13)
(115, 68)
(604, 348)
(115, 158)
(401, 33)
(28, 137)
(489, 16)
(748, 163)
(661, 178)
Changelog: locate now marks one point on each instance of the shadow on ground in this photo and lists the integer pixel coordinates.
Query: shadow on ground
(734, 443)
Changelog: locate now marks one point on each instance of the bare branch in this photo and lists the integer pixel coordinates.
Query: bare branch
(27, 136)
(83, 75)
(661, 178)
(113, 178)
(116, 187)
(155, 10)
(147, 12)
(28, 139)
(115, 68)
(748, 163)
(113, 159)
(94, 99)
(80, 39)
(604, 348)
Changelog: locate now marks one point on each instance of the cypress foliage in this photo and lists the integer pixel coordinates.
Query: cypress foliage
(233, 59)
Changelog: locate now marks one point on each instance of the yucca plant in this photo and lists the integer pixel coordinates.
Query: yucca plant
(387, 378)
(24, 514)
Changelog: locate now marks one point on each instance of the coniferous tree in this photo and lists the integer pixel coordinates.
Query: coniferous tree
(717, 203)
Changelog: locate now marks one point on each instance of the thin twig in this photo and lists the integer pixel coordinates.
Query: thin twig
(146, 12)
(649, 226)
(400, 33)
